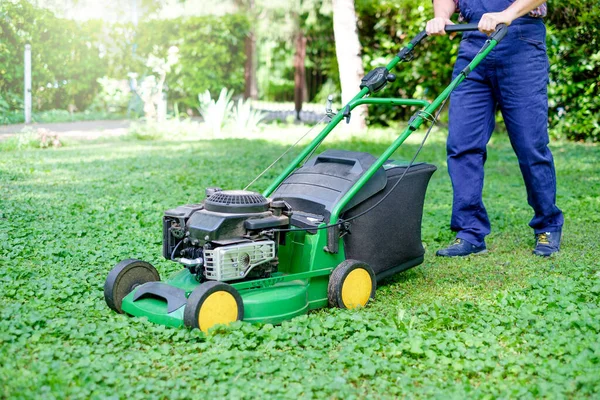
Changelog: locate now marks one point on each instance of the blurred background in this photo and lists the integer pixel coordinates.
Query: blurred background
(258, 59)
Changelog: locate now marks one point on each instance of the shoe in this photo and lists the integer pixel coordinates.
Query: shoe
(547, 243)
(461, 248)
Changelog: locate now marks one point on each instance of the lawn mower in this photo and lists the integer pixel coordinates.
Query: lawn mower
(323, 233)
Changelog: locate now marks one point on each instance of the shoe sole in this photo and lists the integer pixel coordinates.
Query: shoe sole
(484, 251)
(544, 255)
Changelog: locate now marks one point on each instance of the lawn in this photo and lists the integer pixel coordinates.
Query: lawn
(506, 324)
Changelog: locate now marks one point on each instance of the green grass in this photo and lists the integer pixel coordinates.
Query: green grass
(506, 324)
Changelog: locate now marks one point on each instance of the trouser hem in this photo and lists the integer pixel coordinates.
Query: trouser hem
(469, 237)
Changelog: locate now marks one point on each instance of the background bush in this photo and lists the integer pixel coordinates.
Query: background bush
(574, 51)
(69, 57)
(66, 58)
(211, 51)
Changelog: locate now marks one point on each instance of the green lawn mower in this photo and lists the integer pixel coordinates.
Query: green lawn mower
(323, 233)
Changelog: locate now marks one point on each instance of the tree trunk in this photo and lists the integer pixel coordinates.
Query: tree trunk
(347, 49)
(251, 85)
(299, 73)
(251, 91)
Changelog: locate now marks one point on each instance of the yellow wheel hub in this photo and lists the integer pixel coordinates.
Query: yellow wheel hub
(218, 308)
(356, 289)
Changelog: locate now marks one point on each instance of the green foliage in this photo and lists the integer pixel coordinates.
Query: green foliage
(215, 112)
(69, 58)
(386, 26)
(223, 112)
(114, 95)
(65, 57)
(21, 141)
(7, 114)
(503, 325)
(30, 138)
(245, 118)
(212, 55)
(277, 27)
(170, 129)
(574, 51)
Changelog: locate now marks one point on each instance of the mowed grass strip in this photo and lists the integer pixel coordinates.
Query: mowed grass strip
(506, 324)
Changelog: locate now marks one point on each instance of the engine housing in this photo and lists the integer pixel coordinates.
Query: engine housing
(236, 261)
(227, 237)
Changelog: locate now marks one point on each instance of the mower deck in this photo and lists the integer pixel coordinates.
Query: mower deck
(271, 300)
(273, 304)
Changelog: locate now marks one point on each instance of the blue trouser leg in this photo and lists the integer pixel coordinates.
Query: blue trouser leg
(514, 77)
(471, 122)
(521, 88)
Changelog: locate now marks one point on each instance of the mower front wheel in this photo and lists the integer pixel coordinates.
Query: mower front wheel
(213, 303)
(124, 277)
(351, 284)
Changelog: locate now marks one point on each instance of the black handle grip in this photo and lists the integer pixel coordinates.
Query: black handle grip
(500, 32)
(462, 27)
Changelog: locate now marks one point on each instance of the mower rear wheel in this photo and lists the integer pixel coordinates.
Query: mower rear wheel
(124, 277)
(213, 303)
(351, 284)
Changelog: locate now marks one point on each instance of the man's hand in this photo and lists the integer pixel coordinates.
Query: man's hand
(435, 27)
(489, 21)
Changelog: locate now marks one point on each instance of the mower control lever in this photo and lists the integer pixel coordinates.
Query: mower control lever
(376, 79)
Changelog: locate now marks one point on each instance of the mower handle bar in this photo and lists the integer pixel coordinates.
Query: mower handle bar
(498, 35)
(473, 26)
(404, 55)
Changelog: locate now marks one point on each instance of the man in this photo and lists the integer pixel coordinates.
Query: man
(513, 78)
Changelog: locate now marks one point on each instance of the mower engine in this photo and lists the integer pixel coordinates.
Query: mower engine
(227, 237)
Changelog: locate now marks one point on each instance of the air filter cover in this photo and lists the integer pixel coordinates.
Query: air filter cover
(236, 202)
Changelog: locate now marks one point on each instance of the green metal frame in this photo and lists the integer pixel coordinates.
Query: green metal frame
(306, 260)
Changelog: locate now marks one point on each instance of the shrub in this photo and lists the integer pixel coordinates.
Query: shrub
(215, 112)
(30, 138)
(212, 55)
(170, 129)
(65, 57)
(246, 119)
(114, 95)
(574, 52)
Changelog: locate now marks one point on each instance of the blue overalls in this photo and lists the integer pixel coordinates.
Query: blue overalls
(513, 78)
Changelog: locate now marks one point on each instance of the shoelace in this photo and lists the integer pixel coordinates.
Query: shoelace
(543, 238)
(457, 241)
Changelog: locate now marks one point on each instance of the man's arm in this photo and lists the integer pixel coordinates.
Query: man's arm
(489, 21)
(442, 11)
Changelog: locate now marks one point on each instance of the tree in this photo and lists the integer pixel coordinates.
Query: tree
(251, 86)
(348, 49)
(299, 70)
